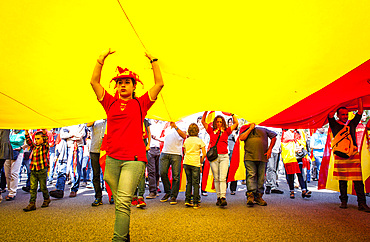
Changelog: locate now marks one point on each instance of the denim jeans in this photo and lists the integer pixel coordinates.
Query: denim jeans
(52, 163)
(255, 176)
(86, 168)
(301, 180)
(153, 169)
(192, 181)
(220, 168)
(39, 177)
(165, 161)
(123, 178)
(271, 174)
(75, 176)
(318, 160)
(96, 174)
(75, 173)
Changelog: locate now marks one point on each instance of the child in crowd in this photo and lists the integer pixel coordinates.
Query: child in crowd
(192, 164)
(39, 167)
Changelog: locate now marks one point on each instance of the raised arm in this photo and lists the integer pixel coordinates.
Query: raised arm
(236, 123)
(204, 120)
(158, 80)
(95, 79)
(179, 131)
(245, 135)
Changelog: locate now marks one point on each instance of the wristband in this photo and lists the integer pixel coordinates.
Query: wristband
(151, 61)
(99, 62)
(177, 128)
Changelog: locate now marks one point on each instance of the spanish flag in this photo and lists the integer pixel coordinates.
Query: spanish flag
(207, 175)
(327, 180)
(102, 160)
(237, 169)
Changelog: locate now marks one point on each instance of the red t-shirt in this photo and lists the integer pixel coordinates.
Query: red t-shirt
(124, 127)
(222, 142)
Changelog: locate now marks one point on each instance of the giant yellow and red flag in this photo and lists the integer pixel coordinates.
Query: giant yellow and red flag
(227, 55)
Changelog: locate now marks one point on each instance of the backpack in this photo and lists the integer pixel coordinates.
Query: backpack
(342, 143)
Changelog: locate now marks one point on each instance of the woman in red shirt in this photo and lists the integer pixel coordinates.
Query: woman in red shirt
(220, 166)
(126, 152)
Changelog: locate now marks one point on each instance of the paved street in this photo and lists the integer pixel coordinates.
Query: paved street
(283, 219)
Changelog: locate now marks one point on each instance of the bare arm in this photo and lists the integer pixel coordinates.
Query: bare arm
(245, 135)
(204, 119)
(203, 154)
(158, 80)
(236, 123)
(179, 131)
(149, 138)
(269, 151)
(95, 79)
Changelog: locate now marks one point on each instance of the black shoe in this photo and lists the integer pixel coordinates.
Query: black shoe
(218, 203)
(97, 202)
(277, 191)
(363, 207)
(223, 202)
(165, 198)
(268, 190)
(57, 193)
(111, 200)
(26, 189)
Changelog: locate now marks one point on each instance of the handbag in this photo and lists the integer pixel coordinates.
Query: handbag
(301, 154)
(212, 152)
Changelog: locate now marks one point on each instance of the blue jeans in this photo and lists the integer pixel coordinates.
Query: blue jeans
(86, 168)
(255, 176)
(165, 161)
(123, 178)
(318, 160)
(301, 180)
(52, 163)
(192, 181)
(75, 176)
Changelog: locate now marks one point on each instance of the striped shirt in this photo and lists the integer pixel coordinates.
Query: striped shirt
(40, 153)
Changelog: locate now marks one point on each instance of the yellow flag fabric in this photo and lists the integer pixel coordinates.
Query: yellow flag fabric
(250, 58)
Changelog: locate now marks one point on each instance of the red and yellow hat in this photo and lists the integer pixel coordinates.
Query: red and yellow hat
(124, 74)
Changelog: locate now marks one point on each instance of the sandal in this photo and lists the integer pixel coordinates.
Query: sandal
(306, 194)
(292, 196)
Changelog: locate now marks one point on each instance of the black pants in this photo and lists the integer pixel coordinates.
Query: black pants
(301, 180)
(359, 188)
(3, 179)
(96, 174)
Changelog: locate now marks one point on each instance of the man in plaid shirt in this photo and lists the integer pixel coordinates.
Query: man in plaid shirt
(39, 167)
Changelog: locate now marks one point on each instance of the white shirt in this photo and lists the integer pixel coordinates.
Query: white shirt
(73, 133)
(173, 142)
(155, 130)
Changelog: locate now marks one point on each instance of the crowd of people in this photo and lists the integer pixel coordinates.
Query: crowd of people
(135, 152)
